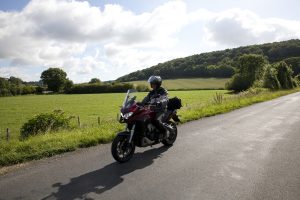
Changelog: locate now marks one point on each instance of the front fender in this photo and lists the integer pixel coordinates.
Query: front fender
(124, 133)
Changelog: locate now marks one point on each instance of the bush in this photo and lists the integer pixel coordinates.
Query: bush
(29, 89)
(142, 88)
(39, 90)
(100, 88)
(238, 83)
(255, 91)
(218, 98)
(45, 122)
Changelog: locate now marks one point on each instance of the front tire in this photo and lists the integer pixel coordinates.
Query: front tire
(172, 137)
(121, 150)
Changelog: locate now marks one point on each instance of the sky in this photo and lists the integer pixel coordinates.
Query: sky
(106, 39)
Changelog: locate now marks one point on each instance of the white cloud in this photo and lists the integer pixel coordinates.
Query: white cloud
(137, 58)
(52, 32)
(238, 27)
(108, 42)
(17, 72)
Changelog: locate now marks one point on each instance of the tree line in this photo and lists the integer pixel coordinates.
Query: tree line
(54, 80)
(15, 86)
(222, 64)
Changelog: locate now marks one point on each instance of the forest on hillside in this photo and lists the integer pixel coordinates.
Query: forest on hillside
(220, 64)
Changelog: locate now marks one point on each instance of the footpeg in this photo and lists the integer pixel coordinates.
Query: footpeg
(146, 142)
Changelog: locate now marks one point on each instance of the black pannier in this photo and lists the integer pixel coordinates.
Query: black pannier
(174, 103)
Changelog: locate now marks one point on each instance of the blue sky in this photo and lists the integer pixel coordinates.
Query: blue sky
(107, 39)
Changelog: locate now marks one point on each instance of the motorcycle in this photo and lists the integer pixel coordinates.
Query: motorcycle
(140, 130)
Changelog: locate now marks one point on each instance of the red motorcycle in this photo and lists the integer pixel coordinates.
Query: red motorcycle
(140, 130)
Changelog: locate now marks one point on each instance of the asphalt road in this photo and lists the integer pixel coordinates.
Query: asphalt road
(250, 153)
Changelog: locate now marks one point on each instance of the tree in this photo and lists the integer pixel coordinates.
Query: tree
(15, 80)
(251, 69)
(252, 66)
(294, 62)
(284, 75)
(4, 87)
(68, 85)
(297, 79)
(54, 78)
(270, 79)
(95, 80)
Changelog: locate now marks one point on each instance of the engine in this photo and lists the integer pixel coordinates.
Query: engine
(150, 131)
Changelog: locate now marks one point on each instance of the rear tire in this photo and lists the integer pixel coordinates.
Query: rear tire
(172, 137)
(121, 150)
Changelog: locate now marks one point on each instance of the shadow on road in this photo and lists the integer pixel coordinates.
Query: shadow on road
(104, 179)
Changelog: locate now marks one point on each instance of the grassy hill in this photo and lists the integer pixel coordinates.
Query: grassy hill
(221, 64)
(190, 84)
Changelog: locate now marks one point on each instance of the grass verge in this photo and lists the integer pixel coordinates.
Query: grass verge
(68, 140)
(231, 103)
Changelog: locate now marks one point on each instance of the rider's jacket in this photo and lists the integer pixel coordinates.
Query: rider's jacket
(157, 96)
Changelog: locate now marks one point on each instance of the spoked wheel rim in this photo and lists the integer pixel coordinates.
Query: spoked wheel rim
(123, 149)
(173, 134)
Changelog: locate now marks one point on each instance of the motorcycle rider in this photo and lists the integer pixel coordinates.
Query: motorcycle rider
(158, 97)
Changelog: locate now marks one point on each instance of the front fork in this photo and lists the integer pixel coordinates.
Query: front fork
(131, 133)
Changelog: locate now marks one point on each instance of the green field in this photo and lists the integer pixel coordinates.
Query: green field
(15, 111)
(190, 84)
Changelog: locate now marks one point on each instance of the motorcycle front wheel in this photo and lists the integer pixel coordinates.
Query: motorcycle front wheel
(121, 150)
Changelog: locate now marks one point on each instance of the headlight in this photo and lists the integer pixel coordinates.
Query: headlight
(127, 115)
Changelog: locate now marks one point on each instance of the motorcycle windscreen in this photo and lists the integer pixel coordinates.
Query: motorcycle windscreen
(131, 97)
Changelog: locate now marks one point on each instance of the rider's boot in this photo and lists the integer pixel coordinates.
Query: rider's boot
(160, 126)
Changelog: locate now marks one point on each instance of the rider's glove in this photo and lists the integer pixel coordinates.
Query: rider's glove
(158, 104)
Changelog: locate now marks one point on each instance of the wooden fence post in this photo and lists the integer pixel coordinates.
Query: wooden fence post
(98, 120)
(78, 120)
(7, 134)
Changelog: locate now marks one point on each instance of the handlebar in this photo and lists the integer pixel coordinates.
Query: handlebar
(147, 106)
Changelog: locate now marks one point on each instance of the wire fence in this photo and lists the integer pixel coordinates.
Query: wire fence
(5, 135)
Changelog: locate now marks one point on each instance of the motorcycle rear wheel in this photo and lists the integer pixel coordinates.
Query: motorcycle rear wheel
(121, 150)
(172, 137)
